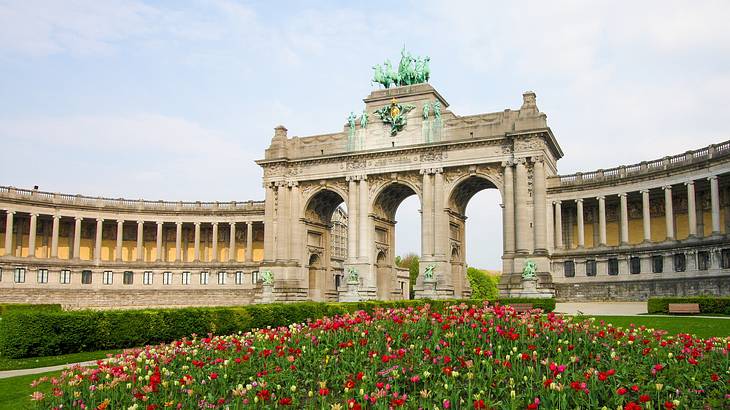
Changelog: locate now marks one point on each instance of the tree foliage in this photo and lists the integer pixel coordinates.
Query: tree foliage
(483, 284)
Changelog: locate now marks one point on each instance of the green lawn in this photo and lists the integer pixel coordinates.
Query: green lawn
(15, 391)
(33, 362)
(701, 327)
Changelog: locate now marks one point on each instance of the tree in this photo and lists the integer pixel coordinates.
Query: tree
(483, 284)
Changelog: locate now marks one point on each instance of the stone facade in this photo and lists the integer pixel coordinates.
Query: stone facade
(654, 228)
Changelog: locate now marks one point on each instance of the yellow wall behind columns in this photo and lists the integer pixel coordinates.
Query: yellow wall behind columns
(171, 251)
(658, 229)
(23, 244)
(63, 248)
(150, 253)
(636, 231)
(240, 253)
(107, 249)
(588, 235)
(612, 233)
(87, 249)
(681, 226)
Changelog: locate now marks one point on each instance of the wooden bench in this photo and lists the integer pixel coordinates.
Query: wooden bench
(521, 307)
(684, 308)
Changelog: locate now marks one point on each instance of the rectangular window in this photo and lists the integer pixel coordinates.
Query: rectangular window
(86, 277)
(42, 275)
(254, 277)
(591, 267)
(680, 262)
(613, 266)
(703, 260)
(725, 258)
(147, 278)
(108, 277)
(19, 276)
(1, 274)
(128, 278)
(338, 279)
(657, 263)
(167, 278)
(221, 278)
(635, 263)
(65, 277)
(239, 277)
(185, 278)
(569, 269)
(204, 278)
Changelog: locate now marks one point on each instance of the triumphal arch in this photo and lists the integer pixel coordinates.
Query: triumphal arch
(406, 142)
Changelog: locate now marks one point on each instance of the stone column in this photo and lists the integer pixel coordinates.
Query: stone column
(178, 241)
(98, 239)
(646, 214)
(295, 242)
(427, 215)
(441, 237)
(558, 225)
(691, 209)
(669, 212)
(715, 201)
(120, 239)
(32, 235)
(249, 241)
(77, 238)
(54, 235)
(508, 212)
(581, 227)
(624, 219)
(159, 257)
(269, 218)
(539, 204)
(522, 219)
(601, 220)
(196, 252)
(351, 218)
(214, 244)
(282, 213)
(363, 215)
(232, 244)
(9, 233)
(140, 241)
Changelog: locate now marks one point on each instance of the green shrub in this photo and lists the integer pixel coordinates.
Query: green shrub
(10, 307)
(708, 304)
(483, 285)
(45, 332)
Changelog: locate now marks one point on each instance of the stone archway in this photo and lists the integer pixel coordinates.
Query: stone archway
(384, 276)
(316, 277)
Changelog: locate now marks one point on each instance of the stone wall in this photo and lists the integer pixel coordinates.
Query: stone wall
(130, 299)
(642, 289)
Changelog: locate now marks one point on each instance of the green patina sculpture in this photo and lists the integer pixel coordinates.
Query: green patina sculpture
(352, 275)
(267, 277)
(428, 272)
(364, 119)
(437, 110)
(395, 115)
(411, 70)
(528, 273)
(351, 121)
(425, 111)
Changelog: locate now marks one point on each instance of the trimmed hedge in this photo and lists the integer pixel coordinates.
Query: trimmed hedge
(29, 333)
(9, 307)
(708, 304)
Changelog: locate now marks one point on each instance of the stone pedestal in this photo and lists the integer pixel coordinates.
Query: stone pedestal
(350, 294)
(267, 295)
(428, 290)
(530, 290)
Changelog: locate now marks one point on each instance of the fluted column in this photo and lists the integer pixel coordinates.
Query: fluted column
(601, 220)
(539, 204)
(522, 218)
(9, 233)
(140, 241)
(691, 209)
(196, 253)
(214, 245)
(508, 212)
(441, 239)
(32, 235)
(178, 241)
(295, 240)
(120, 239)
(77, 237)
(98, 239)
(54, 235)
(269, 222)
(158, 244)
(364, 234)
(351, 218)
(646, 215)
(232, 243)
(282, 224)
(558, 225)
(581, 227)
(624, 219)
(715, 201)
(427, 214)
(669, 212)
(249, 241)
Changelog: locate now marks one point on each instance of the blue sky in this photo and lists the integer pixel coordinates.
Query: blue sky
(176, 99)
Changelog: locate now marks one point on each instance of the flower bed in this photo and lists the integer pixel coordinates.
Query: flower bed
(460, 357)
